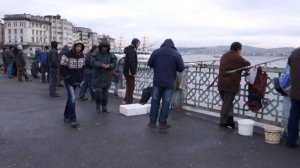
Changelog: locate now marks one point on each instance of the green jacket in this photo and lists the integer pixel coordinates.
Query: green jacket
(101, 76)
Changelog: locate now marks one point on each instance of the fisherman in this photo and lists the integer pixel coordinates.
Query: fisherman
(165, 61)
(229, 83)
(130, 69)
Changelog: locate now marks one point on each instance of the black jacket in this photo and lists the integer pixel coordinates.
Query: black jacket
(130, 61)
(53, 59)
(72, 66)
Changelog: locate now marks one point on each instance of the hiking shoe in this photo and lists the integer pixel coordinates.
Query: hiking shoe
(75, 124)
(152, 125)
(98, 108)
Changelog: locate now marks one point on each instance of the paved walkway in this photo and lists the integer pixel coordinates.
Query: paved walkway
(33, 134)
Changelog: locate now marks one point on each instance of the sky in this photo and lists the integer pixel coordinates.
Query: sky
(190, 23)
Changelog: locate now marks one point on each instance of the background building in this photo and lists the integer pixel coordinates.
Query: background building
(84, 36)
(27, 30)
(1, 35)
(108, 38)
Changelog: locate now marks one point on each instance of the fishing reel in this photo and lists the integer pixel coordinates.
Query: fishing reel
(245, 72)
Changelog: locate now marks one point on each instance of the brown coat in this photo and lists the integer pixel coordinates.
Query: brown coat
(230, 82)
(294, 62)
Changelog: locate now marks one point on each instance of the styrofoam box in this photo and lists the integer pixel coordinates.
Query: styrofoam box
(133, 109)
(148, 107)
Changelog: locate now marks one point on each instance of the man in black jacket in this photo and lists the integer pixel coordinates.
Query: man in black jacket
(130, 69)
(53, 62)
(72, 69)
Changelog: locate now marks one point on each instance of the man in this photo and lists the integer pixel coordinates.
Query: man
(130, 69)
(103, 63)
(229, 83)
(4, 59)
(87, 78)
(293, 123)
(53, 63)
(21, 64)
(44, 67)
(35, 63)
(72, 69)
(165, 61)
(10, 62)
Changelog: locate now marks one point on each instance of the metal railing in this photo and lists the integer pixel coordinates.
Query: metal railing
(196, 94)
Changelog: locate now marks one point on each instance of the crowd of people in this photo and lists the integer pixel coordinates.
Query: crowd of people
(95, 71)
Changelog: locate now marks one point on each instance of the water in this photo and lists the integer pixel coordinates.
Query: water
(253, 59)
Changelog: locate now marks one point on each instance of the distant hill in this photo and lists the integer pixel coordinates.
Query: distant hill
(247, 51)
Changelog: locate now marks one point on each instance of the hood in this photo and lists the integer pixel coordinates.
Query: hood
(135, 41)
(54, 44)
(104, 43)
(19, 47)
(169, 43)
(78, 42)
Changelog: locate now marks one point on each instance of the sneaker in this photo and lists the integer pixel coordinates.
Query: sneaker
(98, 108)
(75, 124)
(291, 145)
(151, 125)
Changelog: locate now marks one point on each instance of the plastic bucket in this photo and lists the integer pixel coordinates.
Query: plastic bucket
(245, 127)
(272, 134)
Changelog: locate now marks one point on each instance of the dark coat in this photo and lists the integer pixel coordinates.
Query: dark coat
(53, 58)
(102, 77)
(72, 66)
(19, 59)
(165, 61)
(230, 82)
(130, 61)
(294, 62)
(10, 57)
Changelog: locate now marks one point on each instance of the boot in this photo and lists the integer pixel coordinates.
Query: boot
(230, 122)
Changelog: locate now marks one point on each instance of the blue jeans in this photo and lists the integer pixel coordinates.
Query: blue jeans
(166, 95)
(293, 124)
(10, 70)
(87, 84)
(102, 96)
(70, 105)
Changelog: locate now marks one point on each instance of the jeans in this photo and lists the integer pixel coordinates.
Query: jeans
(10, 70)
(166, 95)
(102, 96)
(293, 124)
(70, 105)
(87, 84)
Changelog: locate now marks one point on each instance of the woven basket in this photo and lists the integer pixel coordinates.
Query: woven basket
(272, 134)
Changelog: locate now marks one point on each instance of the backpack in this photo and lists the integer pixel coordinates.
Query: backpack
(146, 94)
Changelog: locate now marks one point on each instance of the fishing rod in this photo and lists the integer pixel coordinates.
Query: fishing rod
(201, 61)
(252, 66)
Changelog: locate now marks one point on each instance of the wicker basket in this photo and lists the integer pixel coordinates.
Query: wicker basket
(272, 134)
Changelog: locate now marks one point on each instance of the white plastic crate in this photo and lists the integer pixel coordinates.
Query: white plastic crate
(133, 109)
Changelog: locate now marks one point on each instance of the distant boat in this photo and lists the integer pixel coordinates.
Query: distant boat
(217, 56)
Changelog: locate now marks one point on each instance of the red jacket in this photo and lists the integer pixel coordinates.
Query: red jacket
(230, 82)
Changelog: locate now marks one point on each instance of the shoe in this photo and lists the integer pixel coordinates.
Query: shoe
(230, 122)
(28, 80)
(75, 124)
(60, 85)
(83, 98)
(98, 108)
(20, 80)
(164, 128)
(151, 125)
(104, 109)
(66, 120)
(223, 125)
(291, 145)
(55, 95)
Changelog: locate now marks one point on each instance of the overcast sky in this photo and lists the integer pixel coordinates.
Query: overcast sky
(190, 23)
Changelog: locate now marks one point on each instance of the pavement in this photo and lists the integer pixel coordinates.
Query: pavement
(33, 135)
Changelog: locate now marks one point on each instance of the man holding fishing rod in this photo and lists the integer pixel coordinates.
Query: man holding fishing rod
(229, 83)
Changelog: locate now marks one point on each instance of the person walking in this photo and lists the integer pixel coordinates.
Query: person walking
(229, 83)
(166, 62)
(72, 70)
(87, 78)
(21, 64)
(53, 63)
(130, 69)
(103, 63)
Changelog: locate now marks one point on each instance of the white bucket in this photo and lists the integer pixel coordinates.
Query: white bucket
(245, 127)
